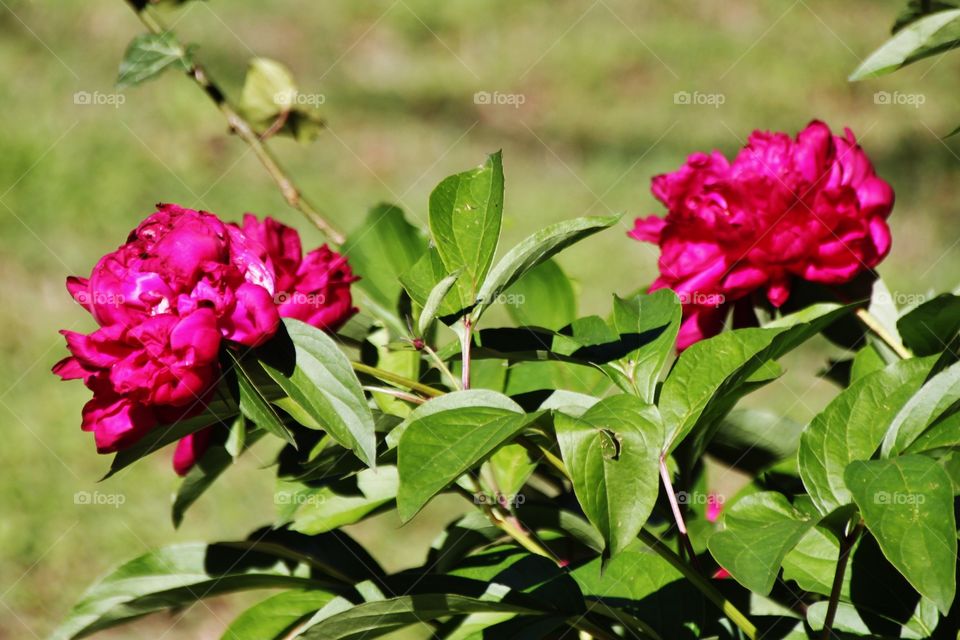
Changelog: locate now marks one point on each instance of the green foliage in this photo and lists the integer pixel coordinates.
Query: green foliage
(149, 55)
(920, 39)
(559, 439)
(320, 381)
(271, 100)
(907, 504)
(612, 453)
(759, 531)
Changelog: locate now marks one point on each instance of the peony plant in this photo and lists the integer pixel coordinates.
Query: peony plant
(580, 445)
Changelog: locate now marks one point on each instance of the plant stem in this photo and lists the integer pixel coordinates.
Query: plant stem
(466, 341)
(874, 325)
(507, 524)
(442, 366)
(845, 547)
(239, 125)
(398, 380)
(549, 456)
(677, 514)
(701, 583)
(396, 393)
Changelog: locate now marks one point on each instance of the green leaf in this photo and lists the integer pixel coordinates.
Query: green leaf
(534, 250)
(454, 400)
(270, 99)
(466, 210)
(434, 300)
(219, 411)
(320, 379)
(944, 434)
(647, 587)
(812, 564)
(384, 246)
(852, 427)
(254, 406)
(711, 374)
(268, 90)
(658, 316)
(612, 453)
(930, 327)
(511, 467)
(150, 54)
(172, 577)
(759, 531)
(438, 448)
(421, 279)
(543, 297)
(925, 37)
(371, 619)
(907, 504)
(935, 398)
(866, 361)
(341, 503)
(275, 617)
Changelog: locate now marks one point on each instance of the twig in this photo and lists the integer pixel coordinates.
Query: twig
(396, 393)
(871, 322)
(466, 341)
(845, 546)
(441, 365)
(395, 379)
(239, 125)
(677, 514)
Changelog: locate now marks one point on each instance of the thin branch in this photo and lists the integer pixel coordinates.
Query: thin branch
(396, 393)
(846, 545)
(442, 366)
(677, 514)
(874, 325)
(466, 341)
(395, 379)
(239, 125)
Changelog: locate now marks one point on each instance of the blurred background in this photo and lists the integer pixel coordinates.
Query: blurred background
(587, 101)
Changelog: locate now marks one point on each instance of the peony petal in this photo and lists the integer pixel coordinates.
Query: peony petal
(647, 229)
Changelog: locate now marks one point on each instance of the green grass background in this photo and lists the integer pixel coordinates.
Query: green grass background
(398, 78)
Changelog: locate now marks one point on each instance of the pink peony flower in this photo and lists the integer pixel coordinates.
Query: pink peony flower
(314, 288)
(810, 208)
(167, 299)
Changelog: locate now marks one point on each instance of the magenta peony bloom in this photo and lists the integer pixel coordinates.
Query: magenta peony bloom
(167, 299)
(810, 208)
(314, 288)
